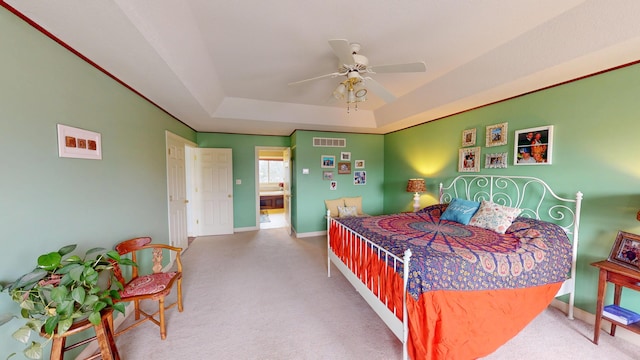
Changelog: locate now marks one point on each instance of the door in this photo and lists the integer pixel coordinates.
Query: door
(215, 189)
(177, 190)
(286, 158)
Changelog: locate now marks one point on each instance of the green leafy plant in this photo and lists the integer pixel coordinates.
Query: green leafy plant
(62, 289)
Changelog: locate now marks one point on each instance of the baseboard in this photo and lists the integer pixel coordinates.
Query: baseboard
(245, 229)
(311, 234)
(590, 319)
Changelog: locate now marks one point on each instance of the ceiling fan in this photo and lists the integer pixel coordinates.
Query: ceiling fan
(355, 68)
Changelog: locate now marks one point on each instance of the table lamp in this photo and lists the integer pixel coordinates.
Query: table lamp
(416, 186)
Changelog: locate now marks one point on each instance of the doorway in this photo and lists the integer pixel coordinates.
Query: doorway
(273, 174)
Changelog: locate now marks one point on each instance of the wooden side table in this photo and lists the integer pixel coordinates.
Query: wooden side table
(621, 277)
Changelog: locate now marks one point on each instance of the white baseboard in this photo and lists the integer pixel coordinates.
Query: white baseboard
(590, 318)
(248, 228)
(311, 234)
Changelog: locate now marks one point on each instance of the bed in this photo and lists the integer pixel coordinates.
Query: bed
(469, 289)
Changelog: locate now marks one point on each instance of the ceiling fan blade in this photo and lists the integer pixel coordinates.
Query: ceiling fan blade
(332, 75)
(379, 90)
(342, 49)
(398, 68)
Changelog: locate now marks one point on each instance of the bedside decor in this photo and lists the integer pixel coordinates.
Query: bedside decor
(416, 186)
(626, 250)
(533, 146)
(496, 135)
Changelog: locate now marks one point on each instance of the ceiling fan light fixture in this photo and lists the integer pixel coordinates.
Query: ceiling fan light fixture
(339, 92)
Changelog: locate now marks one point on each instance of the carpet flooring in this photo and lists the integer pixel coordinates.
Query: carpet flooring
(265, 295)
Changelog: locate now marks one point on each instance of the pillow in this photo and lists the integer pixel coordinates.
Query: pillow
(346, 211)
(332, 206)
(494, 217)
(354, 201)
(460, 211)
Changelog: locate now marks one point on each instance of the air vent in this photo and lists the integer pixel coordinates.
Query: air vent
(329, 142)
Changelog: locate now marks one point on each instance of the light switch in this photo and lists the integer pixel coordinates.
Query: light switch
(238, 181)
(305, 171)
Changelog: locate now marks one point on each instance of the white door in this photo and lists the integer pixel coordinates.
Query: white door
(215, 188)
(177, 191)
(286, 158)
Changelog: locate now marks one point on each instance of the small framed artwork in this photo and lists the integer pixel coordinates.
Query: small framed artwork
(497, 135)
(626, 250)
(533, 146)
(469, 159)
(327, 175)
(344, 168)
(359, 164)
(79, 143)
(495, 161)
(333, 185)
(469, 137)
(359, 177)
(345, 156)
(327, 161)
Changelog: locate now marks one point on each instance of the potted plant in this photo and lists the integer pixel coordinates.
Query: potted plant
(62, 289)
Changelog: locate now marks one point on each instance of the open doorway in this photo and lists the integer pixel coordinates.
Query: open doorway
(273, 187)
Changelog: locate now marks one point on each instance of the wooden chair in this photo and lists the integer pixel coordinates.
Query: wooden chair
(154, 286)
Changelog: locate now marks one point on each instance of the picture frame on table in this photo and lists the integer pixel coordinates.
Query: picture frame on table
(496, 135)
(495, 161)
(533, 146)
(79, 143)
(469, 159)
(469, 137)
(327, 161)
(626, 250)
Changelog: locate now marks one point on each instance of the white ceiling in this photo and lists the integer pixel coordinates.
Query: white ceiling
(224, 66)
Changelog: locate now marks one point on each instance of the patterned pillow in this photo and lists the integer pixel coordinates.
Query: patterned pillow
(346, 211)
(460, 211)
(494, 217)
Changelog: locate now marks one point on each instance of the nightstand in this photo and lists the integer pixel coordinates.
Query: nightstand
(621, 277)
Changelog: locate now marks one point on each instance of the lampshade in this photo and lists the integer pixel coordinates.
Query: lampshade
(416, 186)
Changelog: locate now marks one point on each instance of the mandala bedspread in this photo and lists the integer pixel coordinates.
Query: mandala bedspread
(451, 256)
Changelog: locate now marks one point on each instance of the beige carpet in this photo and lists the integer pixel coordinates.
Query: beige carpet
(265, 295)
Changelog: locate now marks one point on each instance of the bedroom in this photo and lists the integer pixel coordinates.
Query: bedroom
(54, 202)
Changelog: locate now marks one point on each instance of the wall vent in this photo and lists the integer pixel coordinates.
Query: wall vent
(329, 142)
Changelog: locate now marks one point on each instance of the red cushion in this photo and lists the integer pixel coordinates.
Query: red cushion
(147, 284)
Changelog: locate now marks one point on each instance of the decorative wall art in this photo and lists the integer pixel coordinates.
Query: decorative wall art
(79, 143)
(469, 159)
(327, 175)
(327, 161)
(495, 161)
(359, 164)
(359, 177)
(345, 156)
(333, 185)
(497, 135)
(344, 168)
(533, 146)
(469, 137)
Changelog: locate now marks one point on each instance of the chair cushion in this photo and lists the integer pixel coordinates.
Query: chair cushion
(147, 284)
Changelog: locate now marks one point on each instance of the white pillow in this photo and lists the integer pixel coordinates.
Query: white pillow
(347, 211)
(494, 217)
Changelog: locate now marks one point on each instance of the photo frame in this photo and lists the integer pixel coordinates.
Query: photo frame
(344, 168)
(533, 146)
(79, 143)
(495, 161)
(469, 137)
(469, 159)
(359, 164)
(327, 175)
(345, 156)
(327, 161)
(626, 250)
(359, 178)
(333, 185)
(496, 135)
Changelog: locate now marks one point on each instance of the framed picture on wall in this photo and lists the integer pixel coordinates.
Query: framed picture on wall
(333, 185)
(626, 250)
(327, 175)
(495, 161)
(327, 161)
(344, 168)
(469, 159)
(359, 164)
(533, 146)
(496, 135)
(345, 156)
(79, 143)
(359, 177)
(469, 137)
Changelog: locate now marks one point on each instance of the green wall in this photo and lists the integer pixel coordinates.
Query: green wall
(311, 190)
(243, 149)
(595, 151)
(49, 201)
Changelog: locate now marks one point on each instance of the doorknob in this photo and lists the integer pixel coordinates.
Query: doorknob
(186, 201)
(229, 196)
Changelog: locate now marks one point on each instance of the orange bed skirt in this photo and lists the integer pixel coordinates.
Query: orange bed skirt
(445, 324)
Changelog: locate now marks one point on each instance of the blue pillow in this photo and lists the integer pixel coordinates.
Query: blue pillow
(460, 211)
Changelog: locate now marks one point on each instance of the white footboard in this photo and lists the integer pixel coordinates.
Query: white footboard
(379, 303)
